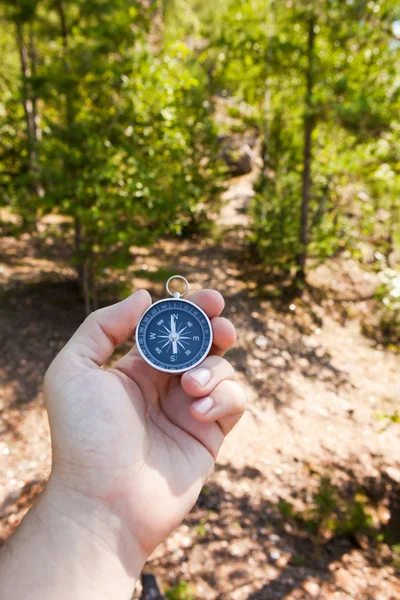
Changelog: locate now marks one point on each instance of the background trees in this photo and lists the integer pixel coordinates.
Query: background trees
(310, 70)
(126, 137)
(107, 117)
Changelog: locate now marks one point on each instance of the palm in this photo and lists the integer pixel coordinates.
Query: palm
(143, 451)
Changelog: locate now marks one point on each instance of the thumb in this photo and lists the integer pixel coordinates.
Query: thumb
(106, 328)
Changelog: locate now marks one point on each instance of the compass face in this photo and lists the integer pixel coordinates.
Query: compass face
(174, 335)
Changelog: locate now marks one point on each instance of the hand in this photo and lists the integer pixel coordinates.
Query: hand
(139, 442)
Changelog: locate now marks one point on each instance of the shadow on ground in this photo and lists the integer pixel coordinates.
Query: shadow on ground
(244, 541)
(270, 335)
(35, 322)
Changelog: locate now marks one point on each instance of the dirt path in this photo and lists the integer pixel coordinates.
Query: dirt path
(314, 386)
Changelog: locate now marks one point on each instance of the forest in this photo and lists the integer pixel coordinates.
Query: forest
(252, 146)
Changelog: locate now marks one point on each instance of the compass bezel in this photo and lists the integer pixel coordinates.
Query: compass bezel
(173, 371)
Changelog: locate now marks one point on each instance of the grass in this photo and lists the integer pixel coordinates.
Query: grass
(181, 591)
(331, 513)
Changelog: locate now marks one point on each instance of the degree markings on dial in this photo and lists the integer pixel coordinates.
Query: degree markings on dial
(175, 337)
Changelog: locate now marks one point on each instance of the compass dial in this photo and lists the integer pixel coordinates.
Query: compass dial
(174, 335)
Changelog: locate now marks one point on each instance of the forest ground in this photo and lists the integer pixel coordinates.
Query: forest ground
(315, 385)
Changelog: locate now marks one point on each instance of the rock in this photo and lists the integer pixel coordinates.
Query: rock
(262, 341)
(275, 554)
(393, 474)
(277, 361)
(345, 580)
(303, 363)
(239, 157)
(312, 588)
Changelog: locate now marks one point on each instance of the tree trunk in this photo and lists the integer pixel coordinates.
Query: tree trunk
(69, 110)
(84, 271)
(86, 274)
(309, 125)
(26, 55)
(33, 62)
(26, 94)
(267, 99)
(86, 287)
(265, 137)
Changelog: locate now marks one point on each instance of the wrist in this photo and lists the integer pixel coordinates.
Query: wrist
(97, 533)
(72, 543)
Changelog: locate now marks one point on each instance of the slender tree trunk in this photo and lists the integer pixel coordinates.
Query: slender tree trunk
(33, 61)
(26, 93)
(85, 285)
(64, 35)
(265, 151)
(266, 122)
(309, 125)
(84, 268)
(29, 103)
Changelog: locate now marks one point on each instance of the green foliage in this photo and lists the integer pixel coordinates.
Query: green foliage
(332, 513)
(126, 147)
(298, 560)
(389, 419)
(107, 117)
(259, 53)
(396, 556)
(180, 591)
(384, 324)
(201, 530)
(286, 508)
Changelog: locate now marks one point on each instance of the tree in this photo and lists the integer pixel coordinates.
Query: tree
(21, 16)
(128, 150)
(320, 53)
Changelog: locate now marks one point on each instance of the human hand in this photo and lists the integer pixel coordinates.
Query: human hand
(131, 439)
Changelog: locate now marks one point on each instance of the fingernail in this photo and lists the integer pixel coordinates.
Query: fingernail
(201, 376)
(204, 405)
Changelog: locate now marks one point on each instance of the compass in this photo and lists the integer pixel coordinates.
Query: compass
(174, 335)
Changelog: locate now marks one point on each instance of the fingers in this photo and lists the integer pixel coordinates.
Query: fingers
(210, 301)
(104, 329)
(204, 378)
(224, 335)
(215, 395)
(225, 404)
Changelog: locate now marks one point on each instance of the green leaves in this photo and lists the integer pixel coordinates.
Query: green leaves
(258, 53)
(127, 146)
